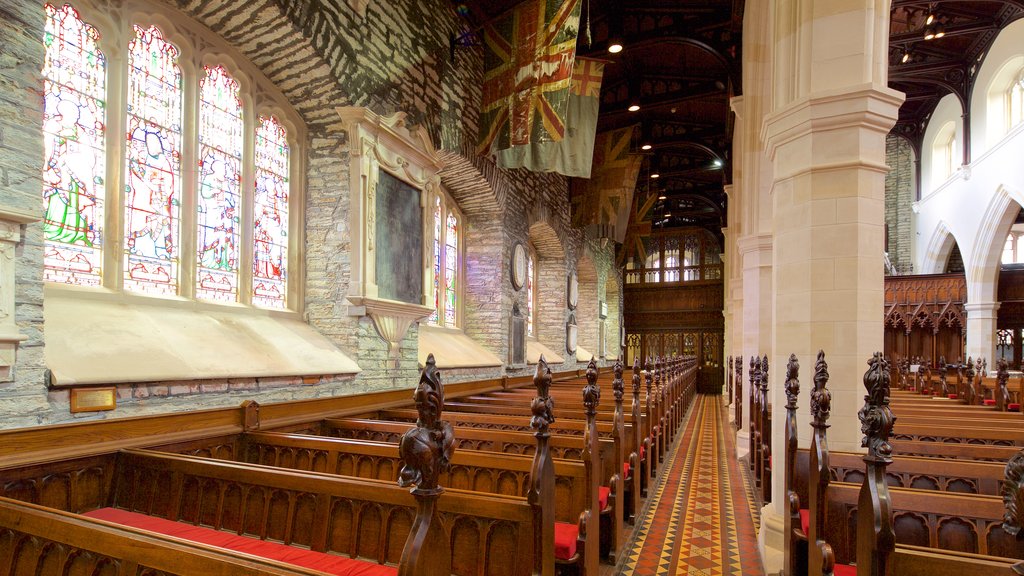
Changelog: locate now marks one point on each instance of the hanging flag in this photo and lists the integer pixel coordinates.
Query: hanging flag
(602, 203)
(528, 61)
(574, 154)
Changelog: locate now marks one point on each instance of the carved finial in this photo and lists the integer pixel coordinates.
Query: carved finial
(1013, 494)
(591, 393)
(821, 398)
(970, 369)
(1002, 372)
(636, 377)
(762, 373)
(752, 372)
(618, 386)
(648, 378)
(792, 382)
(426, 449)
(542, 405)
(876, 418)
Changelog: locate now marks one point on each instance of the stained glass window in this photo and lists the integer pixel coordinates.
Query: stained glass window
(530, 294)
(220, 178)
(270, 215)
(451, 258)
(74, 129)
(437, 261)
(153, 177)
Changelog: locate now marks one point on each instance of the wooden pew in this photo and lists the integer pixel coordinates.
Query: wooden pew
(868, 521)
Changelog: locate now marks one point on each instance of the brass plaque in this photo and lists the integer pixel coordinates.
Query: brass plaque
(93, 399)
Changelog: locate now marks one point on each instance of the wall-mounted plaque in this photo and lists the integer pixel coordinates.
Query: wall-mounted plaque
(570, 334)
(572, 291)
(93, 399)
(399, 232)
(518, 266)
(517, 327)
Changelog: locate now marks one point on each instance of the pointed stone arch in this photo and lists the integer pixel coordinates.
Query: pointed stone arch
(982, 265)
(939, 249)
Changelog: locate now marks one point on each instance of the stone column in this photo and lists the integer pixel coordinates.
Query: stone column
(981, 330)
(756, 256)
(826, 140)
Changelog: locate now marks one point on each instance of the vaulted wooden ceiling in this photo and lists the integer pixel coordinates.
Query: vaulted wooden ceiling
(682, 62)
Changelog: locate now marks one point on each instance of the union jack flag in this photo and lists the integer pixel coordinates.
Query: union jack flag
(528, 63)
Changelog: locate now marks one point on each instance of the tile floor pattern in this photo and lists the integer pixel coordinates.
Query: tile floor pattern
(698, 521)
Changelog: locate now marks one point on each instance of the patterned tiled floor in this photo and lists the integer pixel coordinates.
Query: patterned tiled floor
(698, 521)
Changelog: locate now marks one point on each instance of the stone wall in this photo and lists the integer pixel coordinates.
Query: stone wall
(320, 55)
(899, 195)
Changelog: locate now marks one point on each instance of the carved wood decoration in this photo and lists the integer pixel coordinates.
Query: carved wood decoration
(659, 381)
(590, 517)
(765, 434)
(738, 364)
(942, 378)
(651, 435)
(820, 556)
(925, 315)
(728, 369)
(1002, 375)
(970, 392)
(755, 409)
(426, 451)
(639, 478)
(876, 537)
(619, 439)
(792, 561)
(541, 495)
(1013, 500)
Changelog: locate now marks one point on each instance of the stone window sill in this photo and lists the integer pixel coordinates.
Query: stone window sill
(452, 348)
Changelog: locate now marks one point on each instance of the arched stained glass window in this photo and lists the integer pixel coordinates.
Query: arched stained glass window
(152, 203)
(220, 178)
(437, 261)
(451, 260)
(74, 129)
(531, 294)
(270, 215)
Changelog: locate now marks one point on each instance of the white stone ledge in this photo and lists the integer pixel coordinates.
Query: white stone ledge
(453, 349)
(114, 340)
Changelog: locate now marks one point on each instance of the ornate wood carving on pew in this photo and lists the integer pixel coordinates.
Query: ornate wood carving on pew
(793, 518)
(616, 482)
(738, 365)
(589, 518)
(754, 411)
(639, 479)
(942, 376)
(969, 390)
(1013, 497)
(541, 494)
(426, 451)
(818, 551)
(1002, 376)
(651, 438)
(765, 434)
(728, 375)
(876, 537)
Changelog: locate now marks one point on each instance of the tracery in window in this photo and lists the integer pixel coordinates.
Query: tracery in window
(220, 181)
(437, 262)
(531, 293)
(153, 176)
(74, 130)
(451, 252)
(270, 215)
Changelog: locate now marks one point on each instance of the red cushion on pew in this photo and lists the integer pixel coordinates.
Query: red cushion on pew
(625, 470)
(990, 402)
(565, 540)
(602, 497)
(1013, 407)
(643, 452)
(844, 570)
(271, 550)
(951, 396)
(805, 520)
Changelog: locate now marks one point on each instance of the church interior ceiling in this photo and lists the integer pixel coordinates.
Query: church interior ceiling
(681, 63)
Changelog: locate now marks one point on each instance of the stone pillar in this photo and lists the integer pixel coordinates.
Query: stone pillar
(10, 337)
(981, 330)
(826, 140)
(756, 256)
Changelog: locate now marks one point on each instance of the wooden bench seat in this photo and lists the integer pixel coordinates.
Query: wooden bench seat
(328, 563)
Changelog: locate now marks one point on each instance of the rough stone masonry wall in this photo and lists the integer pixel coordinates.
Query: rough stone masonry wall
(21, 168)
(321, 55)
(899, 195)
